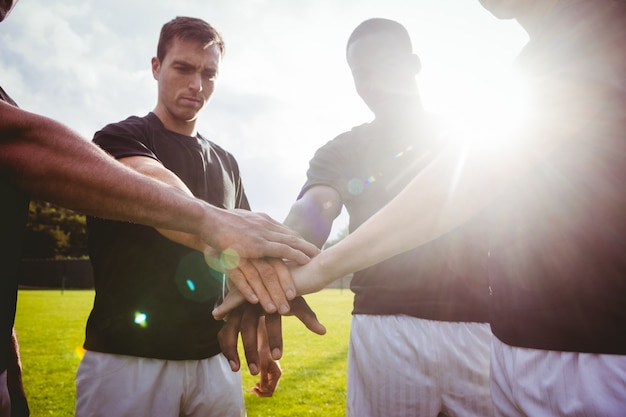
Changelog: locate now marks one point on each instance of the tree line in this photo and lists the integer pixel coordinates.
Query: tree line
(54, 232)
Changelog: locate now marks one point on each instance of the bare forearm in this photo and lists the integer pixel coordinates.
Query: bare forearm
(51, 162)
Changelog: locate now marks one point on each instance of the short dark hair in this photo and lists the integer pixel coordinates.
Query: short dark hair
(188, 28)
(379, 24)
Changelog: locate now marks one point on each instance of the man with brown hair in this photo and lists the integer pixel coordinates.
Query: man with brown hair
(44, 159)
(150, 337)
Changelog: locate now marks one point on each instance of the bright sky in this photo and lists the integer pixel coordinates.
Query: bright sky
(284, 88)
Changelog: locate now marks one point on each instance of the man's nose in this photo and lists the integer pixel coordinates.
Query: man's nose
(195, 82)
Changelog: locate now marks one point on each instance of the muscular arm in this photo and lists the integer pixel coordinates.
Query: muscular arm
(51, 162)
(312, 215)
(155, 170)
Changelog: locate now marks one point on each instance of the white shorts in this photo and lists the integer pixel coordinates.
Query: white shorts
(400, 366)
(126, 386)
(533, 382)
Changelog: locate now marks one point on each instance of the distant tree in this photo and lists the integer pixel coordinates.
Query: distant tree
(54, 232)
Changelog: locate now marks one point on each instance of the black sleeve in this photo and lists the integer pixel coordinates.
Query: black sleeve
(128, 138)
(329, 167)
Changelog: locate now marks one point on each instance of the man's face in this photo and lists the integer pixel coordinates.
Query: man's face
(383, 75)
(186, 79)
(5, 8)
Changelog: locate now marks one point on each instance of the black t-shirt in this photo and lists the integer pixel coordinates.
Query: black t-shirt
(558, 235)
(445, 280)
(13, 215)
(154, 297)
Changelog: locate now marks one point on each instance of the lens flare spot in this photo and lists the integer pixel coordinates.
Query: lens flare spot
(213, 260)
(230, 258)
(226, 260)
(402, 153)
(141, 319)
(355, 186)
(191, 285)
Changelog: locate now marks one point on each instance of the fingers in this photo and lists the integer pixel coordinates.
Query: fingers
(274, 330)
(256, 235)
(292, 248)
(267, 281)
(270, 376)
(237, 277)
(267, 286)
(284, 278)
(233, 299)
(249, 336)
(227, 338)
(251, 277)
(263, 383)
(296, 248)
(306, 315)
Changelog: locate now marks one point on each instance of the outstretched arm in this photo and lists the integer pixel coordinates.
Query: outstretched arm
(51, 162)
(458, 184)
(463, 180)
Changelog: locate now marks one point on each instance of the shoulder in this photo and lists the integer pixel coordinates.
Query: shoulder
(133, 136)
(347, 140)
(131, 126)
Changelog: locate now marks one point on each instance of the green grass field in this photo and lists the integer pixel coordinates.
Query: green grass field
(50, 327)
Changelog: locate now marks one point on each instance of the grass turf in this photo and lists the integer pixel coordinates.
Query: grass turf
(50, 326)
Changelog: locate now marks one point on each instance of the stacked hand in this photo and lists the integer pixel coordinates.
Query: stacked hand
(257, 287)
(245, 320)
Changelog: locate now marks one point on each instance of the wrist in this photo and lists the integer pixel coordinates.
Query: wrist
(206, 225)
(318, 273)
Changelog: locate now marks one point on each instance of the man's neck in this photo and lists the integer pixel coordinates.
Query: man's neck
(186, 128)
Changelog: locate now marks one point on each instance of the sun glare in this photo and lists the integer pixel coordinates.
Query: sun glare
(490, 110)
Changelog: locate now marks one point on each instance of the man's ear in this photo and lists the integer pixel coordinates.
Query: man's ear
(156, 66)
